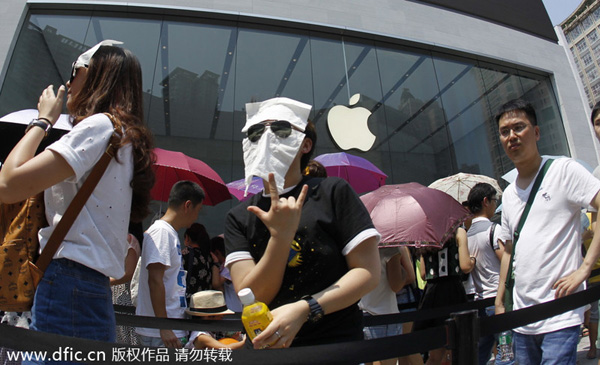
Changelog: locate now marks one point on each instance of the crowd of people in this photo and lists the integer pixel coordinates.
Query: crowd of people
(306, 245)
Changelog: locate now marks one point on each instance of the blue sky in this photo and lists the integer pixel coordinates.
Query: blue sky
(559, 10)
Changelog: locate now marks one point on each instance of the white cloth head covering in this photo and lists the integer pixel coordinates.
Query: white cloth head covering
(271, 153)
(84, 59)
(288, 109)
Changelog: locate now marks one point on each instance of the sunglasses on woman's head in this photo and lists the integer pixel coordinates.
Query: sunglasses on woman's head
(281, 128)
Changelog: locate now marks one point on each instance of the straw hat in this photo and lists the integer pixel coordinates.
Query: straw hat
(207, 303)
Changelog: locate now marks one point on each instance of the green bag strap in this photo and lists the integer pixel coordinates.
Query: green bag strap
(530, 199)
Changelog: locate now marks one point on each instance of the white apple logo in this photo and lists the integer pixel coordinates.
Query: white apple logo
(349, 126)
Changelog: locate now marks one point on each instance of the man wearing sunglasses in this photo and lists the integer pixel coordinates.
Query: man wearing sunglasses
(306, 246)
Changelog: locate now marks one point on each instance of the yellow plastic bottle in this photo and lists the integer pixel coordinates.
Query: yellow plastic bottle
(256, 316)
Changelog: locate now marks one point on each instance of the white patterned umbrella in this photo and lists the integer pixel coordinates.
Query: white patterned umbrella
(459, 185)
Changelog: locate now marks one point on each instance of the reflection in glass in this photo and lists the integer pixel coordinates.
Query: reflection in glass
(466, 114)
(432, 115)
(43, 56)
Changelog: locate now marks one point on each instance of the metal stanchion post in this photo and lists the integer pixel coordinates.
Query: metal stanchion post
(463, 337)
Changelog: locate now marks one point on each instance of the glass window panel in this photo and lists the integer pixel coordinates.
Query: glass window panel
(413, 111)
(592, 75)
(192, 93)
(596, 90)
(463, 99)
(139, 35)
(501, 85)
(592, 36)
(596, 51)
(46, 48)
(538, 91)
(271, 64)
(329, 85)
(363, 79)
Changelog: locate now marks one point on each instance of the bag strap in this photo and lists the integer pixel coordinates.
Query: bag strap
(530, 199)
(492, 231)
(64, 225)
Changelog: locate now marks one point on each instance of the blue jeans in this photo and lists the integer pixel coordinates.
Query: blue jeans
(558, 347)
(151, 341)
(381, 331)
(74, 300)
(157, 341)
(487, 342)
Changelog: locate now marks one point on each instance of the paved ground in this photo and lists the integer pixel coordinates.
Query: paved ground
(582, 349)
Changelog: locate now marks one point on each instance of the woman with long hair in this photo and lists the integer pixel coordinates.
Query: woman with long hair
(74, 296)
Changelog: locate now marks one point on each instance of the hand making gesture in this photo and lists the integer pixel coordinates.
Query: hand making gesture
(283, 216)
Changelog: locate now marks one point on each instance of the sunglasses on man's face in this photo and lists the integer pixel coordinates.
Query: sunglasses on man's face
(281, 128)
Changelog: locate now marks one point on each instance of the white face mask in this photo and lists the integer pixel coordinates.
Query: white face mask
(270, 154)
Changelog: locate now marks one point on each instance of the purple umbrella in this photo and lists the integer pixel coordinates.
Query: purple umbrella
(237, 188)
(362, 175)
(413, 215)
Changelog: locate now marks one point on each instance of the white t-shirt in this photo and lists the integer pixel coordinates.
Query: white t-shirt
(487, 270)
(549, 246)
(596, 174)
(382, 300)
(161, 245)
(98, 237)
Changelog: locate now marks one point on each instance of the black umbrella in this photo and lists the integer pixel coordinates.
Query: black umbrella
(12, 128)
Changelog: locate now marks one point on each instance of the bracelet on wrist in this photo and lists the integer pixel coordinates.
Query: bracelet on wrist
(42, 123)
(45, 120)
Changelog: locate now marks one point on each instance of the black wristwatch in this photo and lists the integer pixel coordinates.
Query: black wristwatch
(42, 123)
(316, 312)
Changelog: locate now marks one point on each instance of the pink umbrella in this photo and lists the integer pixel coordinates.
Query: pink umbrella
(237, 188)
(171, 167)
(362, 175)
(413, 215)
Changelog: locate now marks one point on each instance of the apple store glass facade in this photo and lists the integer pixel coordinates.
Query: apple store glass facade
(432, 113)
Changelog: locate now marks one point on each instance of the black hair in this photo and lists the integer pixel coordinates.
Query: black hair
(595, 111)
(183, 191)
(315, 169)
(197, 234)
(311, 133)
(513, 107)
(217, 243)
(136, 229)
(477, 194)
